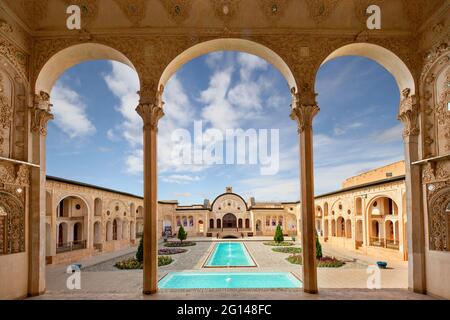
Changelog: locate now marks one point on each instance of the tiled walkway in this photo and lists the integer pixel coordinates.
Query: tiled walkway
(100, 280)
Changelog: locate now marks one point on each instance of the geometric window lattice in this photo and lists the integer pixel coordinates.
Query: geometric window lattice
(12, 225)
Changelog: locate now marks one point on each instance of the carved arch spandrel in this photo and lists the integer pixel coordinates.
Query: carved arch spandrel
(132, 48)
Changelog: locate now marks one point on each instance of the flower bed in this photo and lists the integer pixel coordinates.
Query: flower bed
(178, 244)
(324, 262)
(292, 250)
(279, 244)
(132, 263)
(170, 251)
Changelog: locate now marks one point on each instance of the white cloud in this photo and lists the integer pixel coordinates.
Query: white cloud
(250, 63)
(180, 179)
(389, 135)
(263, 188)
(123, 82)
(70, 112)
(134, 162)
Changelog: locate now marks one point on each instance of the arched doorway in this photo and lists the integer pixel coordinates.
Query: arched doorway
(229, 221)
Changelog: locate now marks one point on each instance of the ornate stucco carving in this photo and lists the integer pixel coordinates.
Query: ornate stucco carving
(34, 10)
(178, 10)
(303, 113)
(274, 9)
(438, 201)
(409, 113)
(134, 10)
(40, 113)
(320, 10)
(15, 56)
(225, 10)
(5, 115)
(151, 109)
(15, 223)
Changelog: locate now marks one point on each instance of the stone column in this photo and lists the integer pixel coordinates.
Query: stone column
(150, 109)
(303, 111)
(40, 115)
(409, 114)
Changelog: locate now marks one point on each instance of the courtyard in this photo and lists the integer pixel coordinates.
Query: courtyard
(100, 279)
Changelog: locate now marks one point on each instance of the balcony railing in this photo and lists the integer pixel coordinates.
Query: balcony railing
(384, 243)
(71, 246)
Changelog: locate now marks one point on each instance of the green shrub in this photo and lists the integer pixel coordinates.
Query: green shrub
(278, 238)
(173, 244)
(325, 262)
(278, 244)
(287, 250)
(133, 264)
(164, 261)
(319, 254)
(182, 234)
(140, 251)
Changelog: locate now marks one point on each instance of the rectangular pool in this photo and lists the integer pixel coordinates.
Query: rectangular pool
(232, 280)
(229, 254)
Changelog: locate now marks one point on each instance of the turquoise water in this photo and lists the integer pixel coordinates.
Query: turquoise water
(230, 254)
(232, 280)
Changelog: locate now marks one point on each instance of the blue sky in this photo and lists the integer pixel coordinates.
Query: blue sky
(96, 136)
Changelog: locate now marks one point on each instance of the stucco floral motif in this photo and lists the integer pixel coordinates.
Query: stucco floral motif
(15, 223)
(15, 56)
(409, 113)
(274, 9)
(320, 10)
(302, 113)
(151, 110)
(5, 108)
(134, 10)
(438, 202)
(34, 10)
(40, 113)
(178, 10)
(225, 10)
(442, 112)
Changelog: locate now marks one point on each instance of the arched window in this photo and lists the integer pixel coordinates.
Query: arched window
(178, 221)
(200, 226)
(191, 221)
(240, 223)
(247, 223)
(185, 222)
(114, 230)
(77, 232)
(219, 224)
(211, 223)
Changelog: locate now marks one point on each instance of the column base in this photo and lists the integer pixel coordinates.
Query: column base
(149, 292)
(311, 291)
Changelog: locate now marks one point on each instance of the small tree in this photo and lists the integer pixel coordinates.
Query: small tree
(278, 238)
(140, 251)
(182, 235)
(318, 247)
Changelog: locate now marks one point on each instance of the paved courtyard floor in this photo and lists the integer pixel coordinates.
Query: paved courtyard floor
(101, 280)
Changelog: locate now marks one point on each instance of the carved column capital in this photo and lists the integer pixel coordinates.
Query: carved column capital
(409, 113)
(304, 109)
(41, 113)
(150, 108)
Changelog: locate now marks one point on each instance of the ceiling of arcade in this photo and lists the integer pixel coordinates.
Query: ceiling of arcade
(151, 33)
